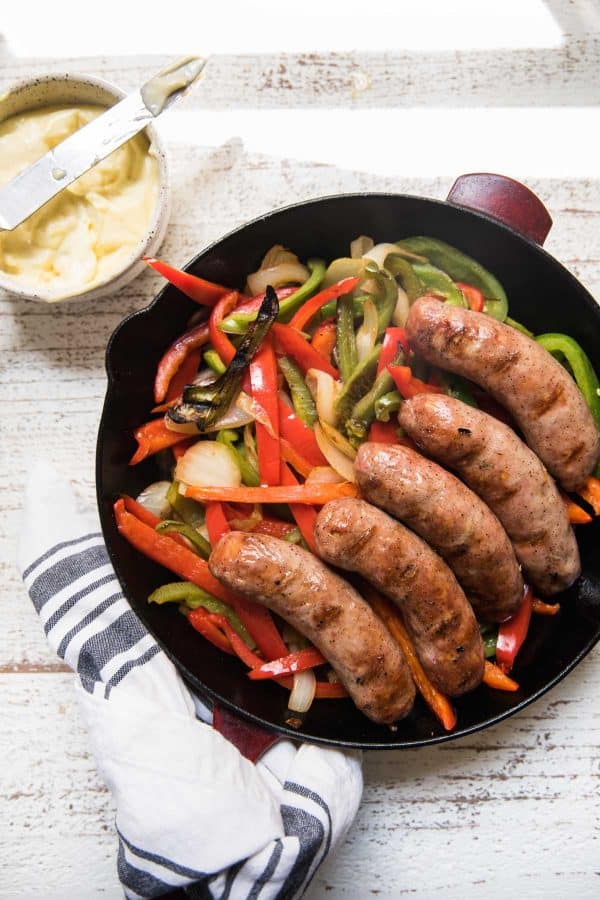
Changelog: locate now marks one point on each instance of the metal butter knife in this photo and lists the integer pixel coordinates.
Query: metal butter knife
(74, 156)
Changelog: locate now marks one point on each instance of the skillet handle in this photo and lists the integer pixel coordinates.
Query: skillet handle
(504, 199)
(250, 739)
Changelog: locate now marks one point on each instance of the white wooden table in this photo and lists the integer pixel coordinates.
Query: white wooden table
(509, 812)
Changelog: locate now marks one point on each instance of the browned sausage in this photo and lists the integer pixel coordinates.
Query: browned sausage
(451, 518)
(327, 610)
(358, 537)
(539, 393)
(505, 473)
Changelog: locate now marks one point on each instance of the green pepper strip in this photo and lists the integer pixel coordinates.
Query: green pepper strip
(302, 401)
(434, 279)
(237, 323)
(489, 644)
(363, 413)
(518, 326)
(346, 339)
(214, 361)
(461, 267)
(199, 543)
(330, 309)
(566, 347)
(358, 384)
(293, 537)
(187, 509)
(386, 304)
(205, 405)
(455, 387)
(250, 476)
(386, 405)
(402, 269)
(194, 597)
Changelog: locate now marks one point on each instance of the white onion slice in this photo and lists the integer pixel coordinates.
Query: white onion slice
(367, 333)
(324, 390)
(154, 499)
(402, 308)
(360, 246)
(208, 464)
(338, 440)
(303, 691)
(336, 459)
(379, 252)
(279, 267)
(253, 408)
(323, 475)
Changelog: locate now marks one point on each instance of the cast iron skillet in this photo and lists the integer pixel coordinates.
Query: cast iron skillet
(505, 233)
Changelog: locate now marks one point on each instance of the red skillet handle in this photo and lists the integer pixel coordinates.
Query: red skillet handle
(251, 740)
(504, 199)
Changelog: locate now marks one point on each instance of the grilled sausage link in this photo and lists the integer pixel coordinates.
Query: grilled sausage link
(508, 476)
(327, 610)
(358, 537)
(451, 518)
(539, 393)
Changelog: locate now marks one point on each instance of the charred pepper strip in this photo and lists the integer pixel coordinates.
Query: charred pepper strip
(205, 405)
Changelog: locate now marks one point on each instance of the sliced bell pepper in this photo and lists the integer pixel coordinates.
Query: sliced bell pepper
(324, 338)
(140, 512)
(184, 375)
(311, 494)
(302, 400)
(299, 661)
(174, 357)
(295, 345)
(302, 438)
(216, 522)
(544, 609)
(305, 516)
(246, 312)
(495, 678)
(576, 513)
(472, 295)
(566, 347)
(205, 292)
(384, 432)
(312, 306)
(168, 553)
(194, 598)
(408, 385)
(203, 621)
(330, 690)
(290, 455)
(152, 437)
(263, 380)
(218, 338)
(513, 632)
(591, 493)
(389, 349)
(198, 543)
(179, 450)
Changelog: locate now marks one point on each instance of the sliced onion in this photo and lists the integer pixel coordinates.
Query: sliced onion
(344, 267)
(240, 413)
(360, 246)
(254, 409)
(338, 440)
(402, 308)
(279, 266)
(154, 499)
(324, 390)
(323, 475)
(303, 691)
(208, 464)
(367, 333)
(336, 459)
(379, 252)
(250, 447)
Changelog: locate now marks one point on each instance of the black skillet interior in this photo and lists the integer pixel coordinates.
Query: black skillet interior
(542, 295)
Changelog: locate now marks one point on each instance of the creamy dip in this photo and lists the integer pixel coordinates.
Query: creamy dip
(87, 233)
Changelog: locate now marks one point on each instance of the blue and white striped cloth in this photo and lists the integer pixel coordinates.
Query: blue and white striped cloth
(191, 811)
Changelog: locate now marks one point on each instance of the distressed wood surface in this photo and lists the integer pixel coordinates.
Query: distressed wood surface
(513, 810)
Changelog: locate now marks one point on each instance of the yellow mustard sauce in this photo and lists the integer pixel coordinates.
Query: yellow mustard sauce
(88, 232)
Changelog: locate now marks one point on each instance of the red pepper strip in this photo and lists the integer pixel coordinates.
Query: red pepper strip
(293, 344)
(324, 339)
(384, 433)
(472, 295)
(577, 515)
(312, 306)
(180, 449)
(305, 516)
(140, 512)
(216, 522)
(174, 357)
(495, 678)
(242, 650)
(185, 375)
(290, 455)
(313, 494)
(389, 349)
(274, 527)
(513, 632)
(218, 338)
(408, 385)
(152, 437)
(544, 609)
(263, 380)
(201, 621)
(330, 690)
(165, 551)
(299, 435)
(591, 493)
(287, 665)
(205, 292)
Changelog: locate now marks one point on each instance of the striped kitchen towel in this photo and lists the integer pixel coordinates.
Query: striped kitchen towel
(191, 810)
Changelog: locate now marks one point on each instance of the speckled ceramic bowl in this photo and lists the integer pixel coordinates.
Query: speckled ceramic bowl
(59, 88)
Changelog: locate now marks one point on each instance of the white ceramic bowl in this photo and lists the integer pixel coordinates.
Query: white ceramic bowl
(48, 90)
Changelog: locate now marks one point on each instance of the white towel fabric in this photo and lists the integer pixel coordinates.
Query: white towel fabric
(191, 810)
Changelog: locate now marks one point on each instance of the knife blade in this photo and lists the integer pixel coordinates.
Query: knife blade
(67, 161)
